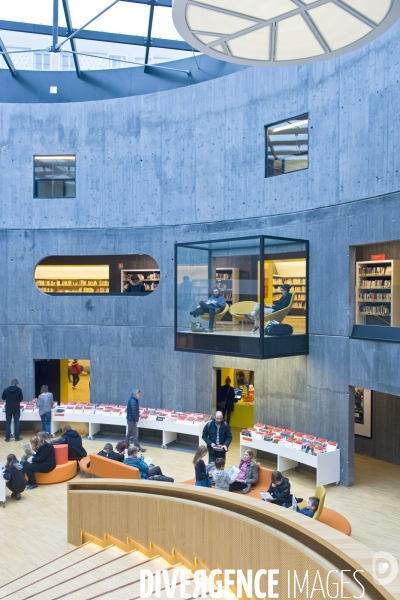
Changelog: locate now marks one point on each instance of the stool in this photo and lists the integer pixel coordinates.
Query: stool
(61, 452)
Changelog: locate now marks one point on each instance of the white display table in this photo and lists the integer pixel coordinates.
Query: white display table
(169, 429)
(25, 416)
(2, 490)
(326, 464)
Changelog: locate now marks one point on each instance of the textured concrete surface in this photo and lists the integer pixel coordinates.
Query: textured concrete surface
(185, 165)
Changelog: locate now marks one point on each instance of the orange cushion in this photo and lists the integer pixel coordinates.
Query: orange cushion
(336, 520)
(83, 464)
(61, 452)
(105, 467)
(59, 474)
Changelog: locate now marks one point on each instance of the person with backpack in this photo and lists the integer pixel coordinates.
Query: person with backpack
(75, 371)
(15, 480)
(283, 302)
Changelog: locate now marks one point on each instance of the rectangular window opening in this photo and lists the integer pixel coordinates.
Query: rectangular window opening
(54, 176)
(287, 146)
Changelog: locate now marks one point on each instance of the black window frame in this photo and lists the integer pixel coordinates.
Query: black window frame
(36, 180)
(300, 117)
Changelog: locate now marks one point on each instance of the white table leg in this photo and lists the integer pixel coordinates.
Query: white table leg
(168, 437)
(93, 429)
(284, 464)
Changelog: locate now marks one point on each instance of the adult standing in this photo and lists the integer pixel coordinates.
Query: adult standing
(45, 403)
(217, 435)
(226, 399)
(13, 397)
(132, 419)
(76, 371)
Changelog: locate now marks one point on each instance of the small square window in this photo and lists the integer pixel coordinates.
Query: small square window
(287, 146)
(54, 177)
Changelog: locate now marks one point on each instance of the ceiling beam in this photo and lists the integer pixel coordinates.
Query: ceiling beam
(96, 36)
(7, 59)
(68, 21)
(149, 27)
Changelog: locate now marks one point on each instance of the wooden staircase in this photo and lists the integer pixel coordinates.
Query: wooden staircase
(106, 569)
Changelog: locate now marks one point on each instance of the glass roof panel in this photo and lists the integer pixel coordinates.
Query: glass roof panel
(163, 25)
(27, 11)
(125, 17)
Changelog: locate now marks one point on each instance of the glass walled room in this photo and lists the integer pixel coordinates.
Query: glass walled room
(242, 297)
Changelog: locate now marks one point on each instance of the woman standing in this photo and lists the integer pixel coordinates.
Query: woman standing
(16, 482)
(248, 473)
(202, 477)
(45, 403)
(43, 461)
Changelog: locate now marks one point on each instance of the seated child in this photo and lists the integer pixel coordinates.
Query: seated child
(146, 471)
(280, 489)
(220, 476)
(312, 506)
(13, 475)
(108, 452)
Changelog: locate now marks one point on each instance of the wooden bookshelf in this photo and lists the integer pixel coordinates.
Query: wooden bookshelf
(299, 287)
(73, 286)
(378, 292)
(228, 283)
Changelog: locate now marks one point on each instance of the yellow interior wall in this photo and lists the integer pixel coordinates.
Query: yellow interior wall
(268, 272)
(64, 381)
(228, 373)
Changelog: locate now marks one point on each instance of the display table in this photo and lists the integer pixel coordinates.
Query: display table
(170, 429)
(326, 464)
(243, 415)
(25, 416)
(2, 490)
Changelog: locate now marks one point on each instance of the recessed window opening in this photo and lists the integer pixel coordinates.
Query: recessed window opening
(287, 146)
(54, 176)
(131, 275)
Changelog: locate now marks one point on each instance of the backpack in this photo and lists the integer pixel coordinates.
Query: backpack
(278, 329)
(196, 327)
(162, 478)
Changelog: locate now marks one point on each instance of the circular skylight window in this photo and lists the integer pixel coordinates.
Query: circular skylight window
(281, 32)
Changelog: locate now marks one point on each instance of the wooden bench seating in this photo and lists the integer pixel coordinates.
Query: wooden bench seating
(107, 468)
(328, 516)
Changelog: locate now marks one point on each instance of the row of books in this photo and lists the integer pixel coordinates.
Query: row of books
(375, 283)
(363, 271)
(374, 296)
(118, 410)
(375, 310)
(168, 414)
(289, 280)
(300, 441)
(25, 406)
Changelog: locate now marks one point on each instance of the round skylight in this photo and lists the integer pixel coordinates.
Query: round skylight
(281, 32)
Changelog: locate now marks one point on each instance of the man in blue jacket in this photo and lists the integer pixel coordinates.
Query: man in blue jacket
(214, 304)
(132, 419)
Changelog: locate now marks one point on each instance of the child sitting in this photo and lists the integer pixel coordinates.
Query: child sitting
(145, 471)
(280, 489)
(16, 482)
(312, 506)
(220, 476)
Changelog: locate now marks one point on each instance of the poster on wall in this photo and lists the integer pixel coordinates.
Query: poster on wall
(363, 412)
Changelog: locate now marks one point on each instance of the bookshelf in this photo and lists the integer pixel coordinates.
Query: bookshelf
(228, 283)
(150, 278)
(73, 286)
(378, 292)
(299, 288)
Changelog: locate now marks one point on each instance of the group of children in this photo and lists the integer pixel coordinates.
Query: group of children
(279, 489)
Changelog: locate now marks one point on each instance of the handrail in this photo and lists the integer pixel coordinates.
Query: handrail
(323, 546)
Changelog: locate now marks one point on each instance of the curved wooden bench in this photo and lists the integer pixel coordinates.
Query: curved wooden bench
(59, 474)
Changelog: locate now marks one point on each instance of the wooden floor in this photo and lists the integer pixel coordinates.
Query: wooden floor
(229, 329)
(33, 530)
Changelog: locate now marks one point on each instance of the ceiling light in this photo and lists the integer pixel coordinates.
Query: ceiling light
(281, 32)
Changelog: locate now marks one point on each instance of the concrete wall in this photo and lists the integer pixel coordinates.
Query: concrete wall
(187, 165)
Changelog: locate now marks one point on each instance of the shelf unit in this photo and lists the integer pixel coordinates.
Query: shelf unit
(150, 277)
(73, 286)
(228, 283)
(378, 291)
(299, 287)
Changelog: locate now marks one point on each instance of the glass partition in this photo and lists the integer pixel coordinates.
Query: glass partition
(243, 297)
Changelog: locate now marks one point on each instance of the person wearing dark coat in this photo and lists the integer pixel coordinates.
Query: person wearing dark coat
(13, 397)
(14, 477)
(132, 419)
(217, 435)
(226, 399)
(280, 304)
(43, 461)
(280, 489)
(108, 452)
(74, 441)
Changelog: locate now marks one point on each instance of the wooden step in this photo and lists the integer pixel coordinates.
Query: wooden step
(76, 570)
(117, 577)
(76, 555)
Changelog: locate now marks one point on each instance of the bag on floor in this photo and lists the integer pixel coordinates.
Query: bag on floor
(162, 478)
(196, 327)
(280, 329)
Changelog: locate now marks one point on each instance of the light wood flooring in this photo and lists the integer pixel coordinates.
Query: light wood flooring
(228, 328)
(33, 530)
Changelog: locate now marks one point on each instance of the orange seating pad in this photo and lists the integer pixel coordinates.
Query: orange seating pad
(336, 520)
(60, 473)
(61, 453)
(105, 467)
